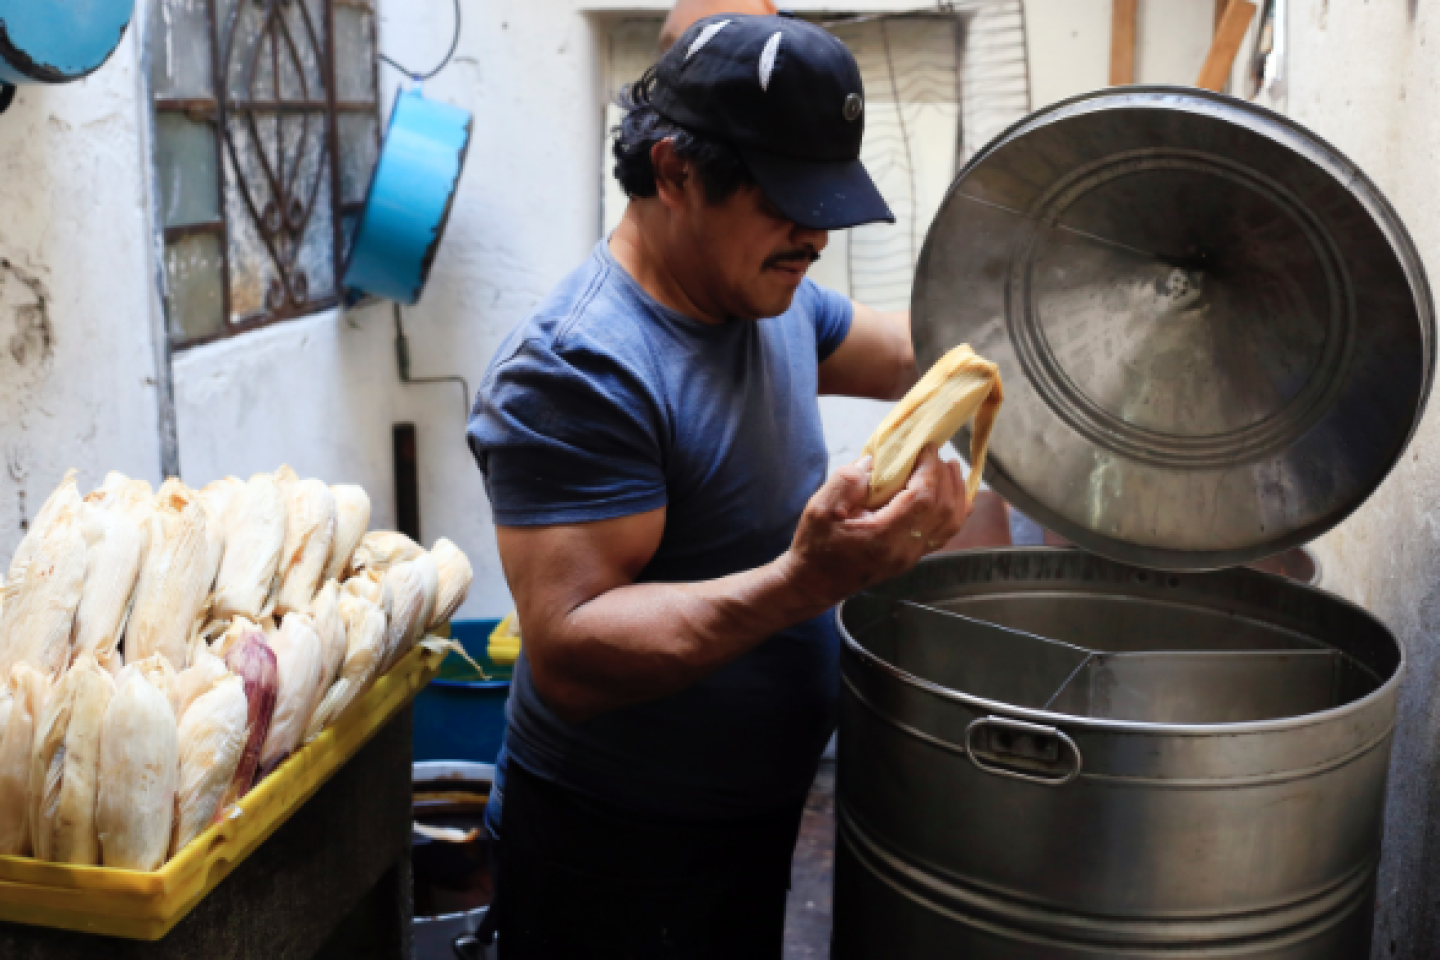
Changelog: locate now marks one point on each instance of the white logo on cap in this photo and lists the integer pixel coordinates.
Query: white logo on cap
(705, 37)
(767, 59)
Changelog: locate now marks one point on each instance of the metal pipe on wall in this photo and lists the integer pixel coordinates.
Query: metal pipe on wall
(159, 306)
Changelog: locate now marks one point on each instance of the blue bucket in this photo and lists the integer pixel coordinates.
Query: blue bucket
(456, 716)
(410, 197)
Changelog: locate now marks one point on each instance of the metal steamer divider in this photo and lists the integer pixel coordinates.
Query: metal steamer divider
(1165, 685)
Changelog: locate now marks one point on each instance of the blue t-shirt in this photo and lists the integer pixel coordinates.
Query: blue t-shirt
(605, 404)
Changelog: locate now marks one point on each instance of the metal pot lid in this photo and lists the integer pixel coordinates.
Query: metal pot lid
(1215, 334)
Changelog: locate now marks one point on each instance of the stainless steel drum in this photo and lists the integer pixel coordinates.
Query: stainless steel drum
(1046, 754)
(1216, 340)
(1215, 335)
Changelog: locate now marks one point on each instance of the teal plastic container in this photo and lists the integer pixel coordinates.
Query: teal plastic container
(458, 717)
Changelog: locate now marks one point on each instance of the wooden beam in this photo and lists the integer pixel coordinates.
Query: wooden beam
(1229, 36)
(1123, 17)
(1219, 13)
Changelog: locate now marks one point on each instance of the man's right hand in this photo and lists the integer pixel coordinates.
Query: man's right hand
(841, 547)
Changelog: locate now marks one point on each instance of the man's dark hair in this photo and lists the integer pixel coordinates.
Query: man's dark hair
(718, 164)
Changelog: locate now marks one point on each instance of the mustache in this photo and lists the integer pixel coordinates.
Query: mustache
(803, 255)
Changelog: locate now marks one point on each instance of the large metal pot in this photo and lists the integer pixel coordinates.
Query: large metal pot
(1046, 754)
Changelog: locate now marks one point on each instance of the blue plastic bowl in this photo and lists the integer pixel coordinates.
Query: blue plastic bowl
(57, 41)
(456, 716)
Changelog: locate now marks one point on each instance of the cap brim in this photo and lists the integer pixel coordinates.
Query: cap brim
(818, 194)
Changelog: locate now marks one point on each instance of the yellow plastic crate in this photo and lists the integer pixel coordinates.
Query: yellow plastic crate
(145, 906)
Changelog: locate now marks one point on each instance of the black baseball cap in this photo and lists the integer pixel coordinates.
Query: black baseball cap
(787, 95)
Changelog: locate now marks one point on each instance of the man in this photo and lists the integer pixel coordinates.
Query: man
(650, 439)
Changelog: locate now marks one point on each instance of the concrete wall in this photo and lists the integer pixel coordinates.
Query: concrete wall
(1070, 44)
(77, 365)
(1367, 78)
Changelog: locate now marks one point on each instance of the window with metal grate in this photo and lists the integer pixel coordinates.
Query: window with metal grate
(266, 133)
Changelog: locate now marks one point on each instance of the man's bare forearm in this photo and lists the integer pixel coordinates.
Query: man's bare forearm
(644, 641)
(597, 641)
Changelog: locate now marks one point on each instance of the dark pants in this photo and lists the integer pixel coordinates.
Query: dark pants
(579, 879)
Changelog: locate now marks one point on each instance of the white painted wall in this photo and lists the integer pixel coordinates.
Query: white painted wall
(75, 270)
(1367, 78)
(1069, 47)
(1070, 44)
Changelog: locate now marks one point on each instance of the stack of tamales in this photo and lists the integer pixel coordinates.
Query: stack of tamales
(163, 651)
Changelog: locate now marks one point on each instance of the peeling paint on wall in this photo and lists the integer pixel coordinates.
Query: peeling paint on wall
(15, 466)
(27, 337)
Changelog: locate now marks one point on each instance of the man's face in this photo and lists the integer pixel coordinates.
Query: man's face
(746, 258)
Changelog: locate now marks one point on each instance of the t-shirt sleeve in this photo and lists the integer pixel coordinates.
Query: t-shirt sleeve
(832, 313)
(567, 438)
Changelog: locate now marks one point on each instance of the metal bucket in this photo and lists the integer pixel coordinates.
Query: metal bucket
(1046, 754)
(453, 883)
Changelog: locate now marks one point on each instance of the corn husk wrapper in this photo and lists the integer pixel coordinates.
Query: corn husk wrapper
(28, 689)
(64, 499)
(254, 539)
(7, 709)
(134, 498)
(382, 549)
(139, 768)
(218, 499)
(325, 611)
(227, 633)
(429, 571)
(406, 584)
(163, 677)
(364, 656)
(309, 532)
(7, 704)
(198, 679)
(286, 478)
(38, 619)
(221, 496)
(300, 661)
(114, 552)
(65, 766)
(170, 598)
(367, 588)
(960, 387)
(352, 519)
(212, 739)
(116, 481)
(456, 575)
(252, 660)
